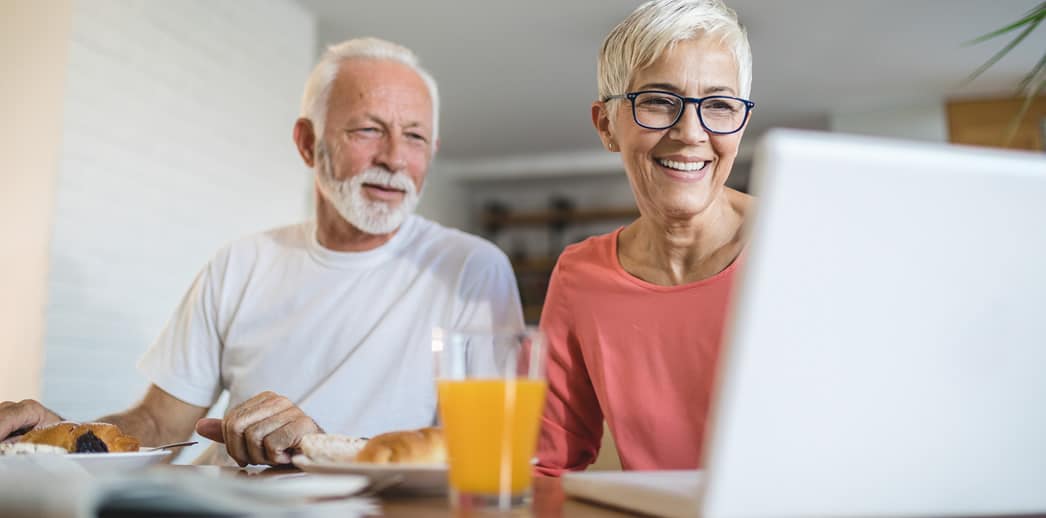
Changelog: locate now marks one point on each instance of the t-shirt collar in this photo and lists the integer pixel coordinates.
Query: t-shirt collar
(336, 259)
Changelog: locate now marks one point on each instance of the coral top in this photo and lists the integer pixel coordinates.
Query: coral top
(639, 355)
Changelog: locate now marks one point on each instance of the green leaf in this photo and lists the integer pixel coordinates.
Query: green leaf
(1015, 124)
(1034, 82)
(1034, 16)
(1038, 73)
(998, 55)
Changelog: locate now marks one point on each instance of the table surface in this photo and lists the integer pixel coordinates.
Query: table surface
(549, 499)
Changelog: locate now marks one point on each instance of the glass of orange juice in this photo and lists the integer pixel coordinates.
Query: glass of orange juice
(491, 394)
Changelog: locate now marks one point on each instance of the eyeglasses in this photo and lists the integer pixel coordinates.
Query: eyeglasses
(658, 110)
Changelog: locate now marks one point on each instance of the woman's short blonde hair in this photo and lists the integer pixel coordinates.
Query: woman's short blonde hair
(657, 25)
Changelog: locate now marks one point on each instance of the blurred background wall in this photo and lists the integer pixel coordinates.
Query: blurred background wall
(175, 133)
(33, 51)
(146, 134)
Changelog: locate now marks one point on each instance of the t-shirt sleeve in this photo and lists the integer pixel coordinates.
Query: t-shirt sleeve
(184, 359)
(572, 425)
(487, 298)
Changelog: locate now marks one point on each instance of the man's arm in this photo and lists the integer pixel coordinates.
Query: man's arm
(159, 418)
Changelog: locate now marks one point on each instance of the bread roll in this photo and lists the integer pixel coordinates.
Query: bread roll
(424, 446)
(328, 447)
(83, 438)
(24, 448)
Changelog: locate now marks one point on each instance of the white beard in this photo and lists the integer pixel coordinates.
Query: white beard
(347, 197)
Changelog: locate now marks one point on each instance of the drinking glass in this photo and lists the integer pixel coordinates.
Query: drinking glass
(491, 389)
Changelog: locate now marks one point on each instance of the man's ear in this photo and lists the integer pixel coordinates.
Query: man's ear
(601, 121)
(305, 140)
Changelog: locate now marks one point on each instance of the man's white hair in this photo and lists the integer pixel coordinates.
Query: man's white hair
(656, 26)
(314, 102)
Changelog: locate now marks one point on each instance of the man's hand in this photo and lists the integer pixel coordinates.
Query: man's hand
(262, 430)
(24, 416)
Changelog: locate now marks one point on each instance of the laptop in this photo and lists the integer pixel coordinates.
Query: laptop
(887, 349)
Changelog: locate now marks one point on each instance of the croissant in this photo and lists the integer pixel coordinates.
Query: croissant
(424, 446)
(83, 438)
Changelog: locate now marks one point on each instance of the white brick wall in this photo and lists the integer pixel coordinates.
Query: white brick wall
(177, 139)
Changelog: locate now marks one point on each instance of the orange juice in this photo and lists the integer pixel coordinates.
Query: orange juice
(491, 429)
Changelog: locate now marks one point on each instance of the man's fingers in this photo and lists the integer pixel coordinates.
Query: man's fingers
(11, 419)
(255, 434)
(258, 399)
(25, 414)
(278, 444)
(234, 442)
(210, 428)
(238, 419)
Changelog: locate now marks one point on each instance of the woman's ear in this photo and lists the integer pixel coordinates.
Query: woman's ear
(601, 120)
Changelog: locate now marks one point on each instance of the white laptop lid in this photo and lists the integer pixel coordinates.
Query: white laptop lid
(888, 354)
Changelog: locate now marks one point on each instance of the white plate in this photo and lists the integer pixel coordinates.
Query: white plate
(301, 486)
(410, 478)
(117, 462)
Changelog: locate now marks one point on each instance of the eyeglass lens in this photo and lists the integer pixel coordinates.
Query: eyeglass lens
(660, 110)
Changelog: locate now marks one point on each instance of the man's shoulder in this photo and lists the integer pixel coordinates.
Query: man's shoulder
(436, 240)
(273, 241)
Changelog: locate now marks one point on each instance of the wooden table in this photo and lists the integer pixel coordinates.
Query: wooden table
(549, 499)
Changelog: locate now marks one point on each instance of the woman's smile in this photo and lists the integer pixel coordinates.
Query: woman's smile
(684, 169)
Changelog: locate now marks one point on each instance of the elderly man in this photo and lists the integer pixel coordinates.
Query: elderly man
(325, 325)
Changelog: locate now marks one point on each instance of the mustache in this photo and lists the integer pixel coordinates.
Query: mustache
(376, 175)
(385, 178)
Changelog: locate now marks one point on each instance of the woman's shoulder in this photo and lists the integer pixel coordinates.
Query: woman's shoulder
(594, 250)
(740, 202)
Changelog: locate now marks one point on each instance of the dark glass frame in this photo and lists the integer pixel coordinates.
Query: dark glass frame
(631, 96)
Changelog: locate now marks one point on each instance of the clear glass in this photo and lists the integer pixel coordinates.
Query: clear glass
(491, 395)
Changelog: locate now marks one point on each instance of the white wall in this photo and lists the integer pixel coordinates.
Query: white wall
(33, 48)
(177, 139)
(444, 197)
(919, 120)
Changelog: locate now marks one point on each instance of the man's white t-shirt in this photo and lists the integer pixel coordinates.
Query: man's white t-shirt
(345, 335)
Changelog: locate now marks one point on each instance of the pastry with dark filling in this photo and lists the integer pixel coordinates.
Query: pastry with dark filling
(83, 438)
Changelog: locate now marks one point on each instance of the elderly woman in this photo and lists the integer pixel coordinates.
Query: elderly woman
(635, 318)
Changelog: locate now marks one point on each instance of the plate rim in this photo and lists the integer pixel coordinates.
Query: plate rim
(301, 461)
(121, 454)
(323, 480)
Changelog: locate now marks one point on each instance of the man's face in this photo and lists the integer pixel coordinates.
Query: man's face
(377, 143)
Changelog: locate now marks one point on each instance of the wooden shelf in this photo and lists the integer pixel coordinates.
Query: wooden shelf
(547, 217)
(532, 313)
(534, 265)
(985, 122)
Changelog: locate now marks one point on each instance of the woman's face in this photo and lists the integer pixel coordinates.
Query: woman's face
(676, 172)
